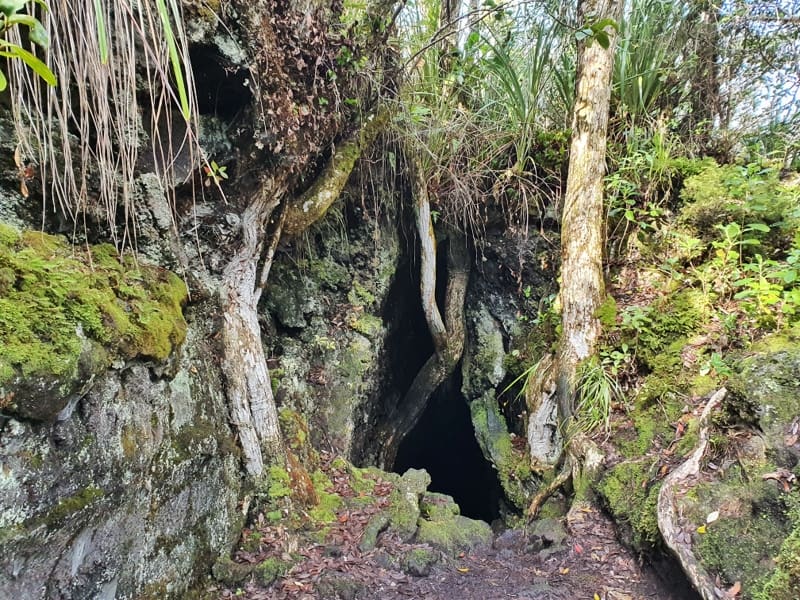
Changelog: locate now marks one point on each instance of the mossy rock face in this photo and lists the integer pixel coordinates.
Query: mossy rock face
(404, 508)
(137, 482)
(513, 465)
(627, 491)
(269, 570)
(755, 539)
(419, 561)
(229, 572)
(435, 506)
(441, 525)
(66, 313)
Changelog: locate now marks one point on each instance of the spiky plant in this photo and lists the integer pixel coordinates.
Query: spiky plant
(85, 134)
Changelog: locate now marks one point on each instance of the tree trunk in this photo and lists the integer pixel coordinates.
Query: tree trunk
(249, 390)
(582, 230)
(706, 100)
(582, 227)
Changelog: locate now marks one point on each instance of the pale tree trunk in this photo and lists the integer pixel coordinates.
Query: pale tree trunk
(582, 233)
(249, 390)
(582, 226)
(448, 334)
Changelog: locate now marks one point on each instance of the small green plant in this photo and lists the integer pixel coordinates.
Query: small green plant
(215, 173)
(11, 16)
(597, 390)
(717, 365)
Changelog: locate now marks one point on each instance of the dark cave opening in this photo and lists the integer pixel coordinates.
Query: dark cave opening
(443, 443)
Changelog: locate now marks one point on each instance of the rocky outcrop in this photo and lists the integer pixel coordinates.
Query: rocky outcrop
(130, 492)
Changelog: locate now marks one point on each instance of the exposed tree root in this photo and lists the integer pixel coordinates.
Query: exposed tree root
(542, 496)
(668, 517)
(582, 466)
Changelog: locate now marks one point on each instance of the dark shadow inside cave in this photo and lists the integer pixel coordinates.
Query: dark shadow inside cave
(444, 444)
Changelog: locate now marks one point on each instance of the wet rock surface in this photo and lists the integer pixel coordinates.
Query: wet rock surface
(131, 492)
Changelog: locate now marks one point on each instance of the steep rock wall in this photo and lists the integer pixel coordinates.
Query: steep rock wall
(131, 492)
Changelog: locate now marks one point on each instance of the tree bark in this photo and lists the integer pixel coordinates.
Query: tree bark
(582, 227)
(582, 233)
(249, 390)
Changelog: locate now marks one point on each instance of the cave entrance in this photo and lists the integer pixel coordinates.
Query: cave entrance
(443, 443)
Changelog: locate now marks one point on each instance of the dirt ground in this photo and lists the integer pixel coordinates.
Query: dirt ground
(589, 563)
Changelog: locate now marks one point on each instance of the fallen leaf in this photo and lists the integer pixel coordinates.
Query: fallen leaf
(701, 529)
(578, 549)
(596, 596)
(712, 516)
(734, 590)
(564, 571)
(463, 569)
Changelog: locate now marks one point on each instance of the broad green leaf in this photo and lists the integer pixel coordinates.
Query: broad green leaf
(34, 63)
(11, 7)
(21, 19)
(758, 227)
(3, 81)
(38, 35)
(602, 39)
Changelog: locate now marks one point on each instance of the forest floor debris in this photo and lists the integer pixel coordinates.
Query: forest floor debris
(542, 562)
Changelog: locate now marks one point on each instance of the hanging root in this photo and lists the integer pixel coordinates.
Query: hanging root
(667, 511)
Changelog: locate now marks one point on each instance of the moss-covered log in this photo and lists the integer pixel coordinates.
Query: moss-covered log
(312, 205)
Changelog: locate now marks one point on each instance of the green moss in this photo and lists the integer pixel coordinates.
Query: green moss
(269, 570)
(359, 295)
(784, 582)
(71, 505)
(186, 442)
(733, 194)
(668, 323)
(607, 312)
(328, 502)
(8, 235)
(740, 549)
(363, 480)
(513, 466)
(279, 483)
(627, 491)
(368, 325)
(454, 534)
(58, 290)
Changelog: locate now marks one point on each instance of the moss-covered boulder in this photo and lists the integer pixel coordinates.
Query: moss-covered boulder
(404, 509)
(419, 561)
(67, 313)
(453, 533)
